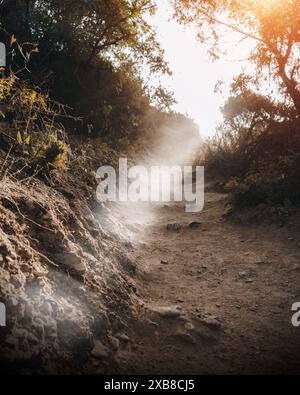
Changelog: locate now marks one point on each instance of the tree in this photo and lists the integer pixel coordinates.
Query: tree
(273, 25)
(90, 53)
(88, 28)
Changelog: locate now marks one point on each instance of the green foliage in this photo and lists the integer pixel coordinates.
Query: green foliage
(90, 57)
(52, 153)
(257, 151)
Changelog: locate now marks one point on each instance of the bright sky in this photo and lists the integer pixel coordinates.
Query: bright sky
(194, 75)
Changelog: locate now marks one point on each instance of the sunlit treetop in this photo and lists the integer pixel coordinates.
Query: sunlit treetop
(272, 25)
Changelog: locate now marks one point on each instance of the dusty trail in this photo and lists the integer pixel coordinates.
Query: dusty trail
(235, 286)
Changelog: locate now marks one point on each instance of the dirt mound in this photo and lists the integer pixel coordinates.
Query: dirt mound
(63, 278)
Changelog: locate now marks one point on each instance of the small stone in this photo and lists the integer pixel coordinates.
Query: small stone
(242, 274)
(73, 262)
(249, 281)
(169, 312)
(10, 259)
(115, 343)
(123, 337)
(212, 323)
(195, 225)
(189, 326)
(39, 274)
(100, 351)
(175, 227)
(47, 216)
(164, 262)
(261, 263)
(46, 308)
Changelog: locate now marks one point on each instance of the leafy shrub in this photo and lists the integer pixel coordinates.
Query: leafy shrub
(257, 152)
(52, 153)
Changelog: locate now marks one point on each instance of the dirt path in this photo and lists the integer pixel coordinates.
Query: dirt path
(234, 286)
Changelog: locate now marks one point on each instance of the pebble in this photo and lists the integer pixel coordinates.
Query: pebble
(176, 227)
(169, 312)
(195, 225)
(100, 351)
(115, 343)
(46, 308)
(123, 337)
(212, 322)
(189, 326)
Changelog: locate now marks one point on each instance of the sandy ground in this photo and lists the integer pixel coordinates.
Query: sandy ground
(234, 286)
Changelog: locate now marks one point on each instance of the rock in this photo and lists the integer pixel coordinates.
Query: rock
(212, 323)
(195, 225)
(48, 216)
(39, 274)
(189, 327)
(249, 281)
(46, 308)
(169, 312)
(175, 227)
(115, 343)
(164, 262)
(72, 262)
(128, 245)
(123, 337)
(100, 351)
(260, 263)
(243, 274)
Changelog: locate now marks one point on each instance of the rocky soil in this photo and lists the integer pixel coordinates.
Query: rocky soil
(138, 289)
(67, 284)
(217, 293)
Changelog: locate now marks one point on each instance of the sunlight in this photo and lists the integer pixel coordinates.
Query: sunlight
(268, 3)
(195, 75)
